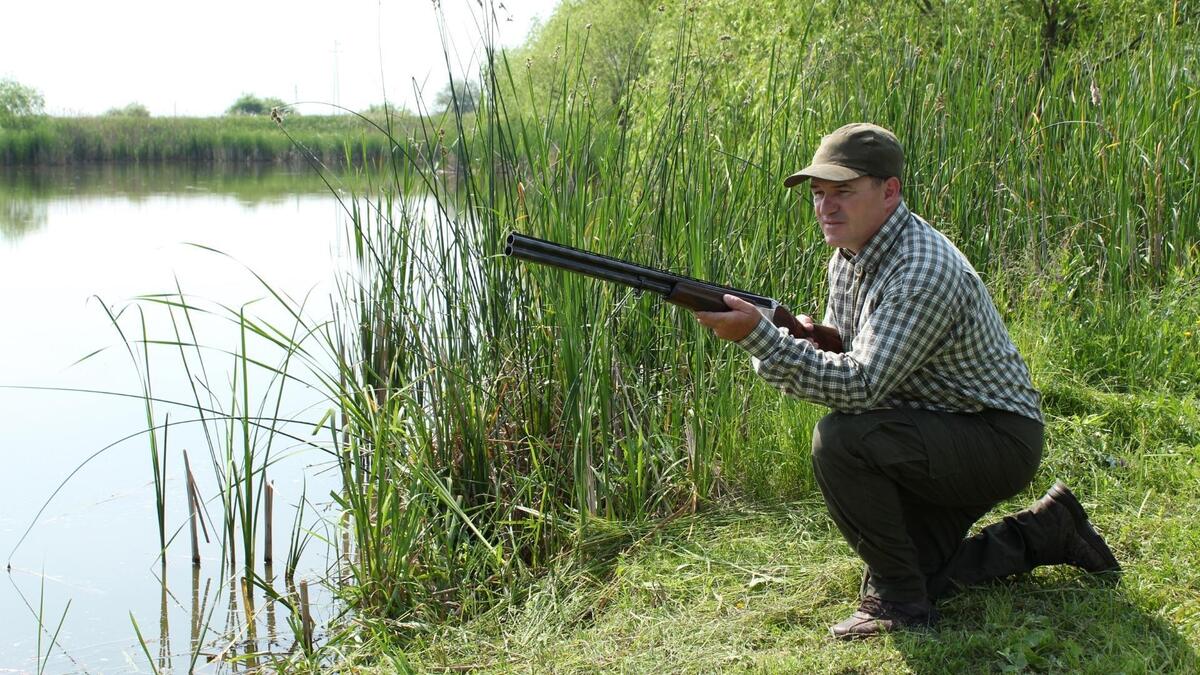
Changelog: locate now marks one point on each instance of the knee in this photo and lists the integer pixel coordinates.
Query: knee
(829, 438)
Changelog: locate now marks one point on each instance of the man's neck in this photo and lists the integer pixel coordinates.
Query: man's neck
(851, 253)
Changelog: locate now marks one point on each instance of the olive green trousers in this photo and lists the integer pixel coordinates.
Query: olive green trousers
(905, 487)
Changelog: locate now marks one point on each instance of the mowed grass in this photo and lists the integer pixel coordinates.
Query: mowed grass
(755, 589)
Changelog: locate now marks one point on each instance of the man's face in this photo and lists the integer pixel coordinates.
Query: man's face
(850, 213)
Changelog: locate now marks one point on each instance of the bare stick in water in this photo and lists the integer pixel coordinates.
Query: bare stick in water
(305, 617)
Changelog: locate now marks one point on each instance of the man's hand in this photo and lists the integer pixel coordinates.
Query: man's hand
(735, 324)
(802, 327)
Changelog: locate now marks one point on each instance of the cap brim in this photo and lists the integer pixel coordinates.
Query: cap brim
(833, 172)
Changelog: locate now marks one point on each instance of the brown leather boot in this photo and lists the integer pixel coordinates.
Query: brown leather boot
(876, 616)
(1082, 546)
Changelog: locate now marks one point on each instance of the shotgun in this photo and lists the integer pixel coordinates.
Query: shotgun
(676, 289)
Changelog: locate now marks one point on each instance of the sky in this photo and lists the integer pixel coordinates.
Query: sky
(197, 58)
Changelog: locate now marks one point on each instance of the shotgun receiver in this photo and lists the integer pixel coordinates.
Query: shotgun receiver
(676, 289)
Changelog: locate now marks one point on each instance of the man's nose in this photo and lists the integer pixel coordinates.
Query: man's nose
(827, 205)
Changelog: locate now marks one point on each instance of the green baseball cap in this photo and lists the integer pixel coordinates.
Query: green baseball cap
(853, 151)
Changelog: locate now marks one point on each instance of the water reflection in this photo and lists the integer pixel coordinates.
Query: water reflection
(19, 216)
(245, 639)
(198, 608)
(164, 627)
(25, 192)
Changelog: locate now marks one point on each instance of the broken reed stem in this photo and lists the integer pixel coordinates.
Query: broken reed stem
(267, 558)
(306, 628)
(192, 509)
(191, 479)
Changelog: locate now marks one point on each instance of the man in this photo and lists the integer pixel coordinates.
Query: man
(934, 417)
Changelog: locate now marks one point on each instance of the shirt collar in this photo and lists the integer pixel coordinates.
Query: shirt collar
(869, 256)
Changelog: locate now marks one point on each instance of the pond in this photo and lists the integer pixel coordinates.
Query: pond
(76, 246)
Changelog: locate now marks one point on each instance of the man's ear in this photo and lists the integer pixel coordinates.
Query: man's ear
(891, 190)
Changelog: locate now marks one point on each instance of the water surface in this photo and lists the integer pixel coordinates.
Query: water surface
(75, 245)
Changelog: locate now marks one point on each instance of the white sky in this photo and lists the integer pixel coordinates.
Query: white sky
(196, 58)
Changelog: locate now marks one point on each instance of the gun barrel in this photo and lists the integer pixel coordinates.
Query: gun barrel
(612, 269)
(591, 269)
(524, 246)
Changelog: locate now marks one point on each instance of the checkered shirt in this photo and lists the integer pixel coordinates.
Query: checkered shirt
(918, 327)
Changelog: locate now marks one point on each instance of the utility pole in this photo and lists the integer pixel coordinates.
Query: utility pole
(337, 99)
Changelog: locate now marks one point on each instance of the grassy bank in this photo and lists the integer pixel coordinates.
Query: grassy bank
(522, 450)
(230, 139)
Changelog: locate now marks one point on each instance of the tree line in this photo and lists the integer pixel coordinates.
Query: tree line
(18, 101)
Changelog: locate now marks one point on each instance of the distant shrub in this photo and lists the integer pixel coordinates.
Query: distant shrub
(132, 110)
(249, 104)
(18, 100)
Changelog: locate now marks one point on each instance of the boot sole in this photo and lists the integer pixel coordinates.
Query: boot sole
(919, 627)
(1083, 527)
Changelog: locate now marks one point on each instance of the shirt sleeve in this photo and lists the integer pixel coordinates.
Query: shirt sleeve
(897, 338)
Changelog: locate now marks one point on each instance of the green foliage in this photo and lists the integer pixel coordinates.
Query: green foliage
(1090, 24)
(131, 110)
(18, 101)
(593, 48)
(249, 104)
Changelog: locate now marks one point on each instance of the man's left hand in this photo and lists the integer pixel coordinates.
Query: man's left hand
(735, 324)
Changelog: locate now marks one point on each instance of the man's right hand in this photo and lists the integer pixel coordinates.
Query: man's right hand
(825, 338)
